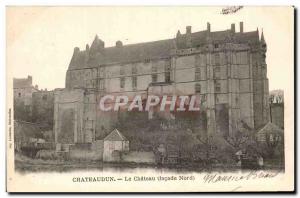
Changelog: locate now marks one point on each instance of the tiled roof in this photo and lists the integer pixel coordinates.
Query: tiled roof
(98, 55)
(115, 135)
(270, 128)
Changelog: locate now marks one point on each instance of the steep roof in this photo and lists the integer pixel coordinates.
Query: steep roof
(99, 55)
(270, 128)
(115, 135)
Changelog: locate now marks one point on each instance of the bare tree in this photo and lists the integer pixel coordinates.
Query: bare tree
(241, 134)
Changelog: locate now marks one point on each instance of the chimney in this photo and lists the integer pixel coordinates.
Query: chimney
(241, 27)
(178, 33)
(233, 27)
(30, 79)
(76, 50)
(119, 44)
(208, 27)
(188, 29)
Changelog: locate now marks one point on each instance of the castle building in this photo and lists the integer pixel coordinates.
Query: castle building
(227, 69)
(23, 90)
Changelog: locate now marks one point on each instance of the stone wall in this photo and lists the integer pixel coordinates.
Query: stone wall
(43, 108)
(277, 114)
(86, 152)
(139, 157)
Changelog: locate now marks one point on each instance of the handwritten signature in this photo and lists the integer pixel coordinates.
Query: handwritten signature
(215, 178)
(231, 9)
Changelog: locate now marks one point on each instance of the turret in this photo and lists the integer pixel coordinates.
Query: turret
(178, 34)
(188, 29)
(263, 46)
(208, 27)
(119, 44)
(241, 27)
(97, 45)
(188, 36)
(76, 51)
(30, 79)
(232, 28)
(262, 39)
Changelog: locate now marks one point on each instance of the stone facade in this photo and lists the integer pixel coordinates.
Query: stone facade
(23, 90)
(42, 107)
(277, 114)
(277, 108)
(227, 69)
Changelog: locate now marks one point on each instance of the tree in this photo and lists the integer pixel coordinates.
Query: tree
(241, 134)
(22, 112)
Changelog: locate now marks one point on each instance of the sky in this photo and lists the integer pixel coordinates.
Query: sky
(40, 40)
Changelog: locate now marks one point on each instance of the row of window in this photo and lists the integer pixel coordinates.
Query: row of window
(154, 79)
(198, 87)
(216, 70)
(134, 82)
(168, 79)
(153, 76)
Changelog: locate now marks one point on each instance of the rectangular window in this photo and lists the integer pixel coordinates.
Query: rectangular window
(122, 72)
(111, 146)
(217, 87)
(217, 59)
(227, 58)
(122, 82)
(154, 68)
(167, 76)
(134, 82)
(168, 71)
(197, 88)
(154, 72)
(154, 78)
(217, 71)
(134, 69)
(197, 74)
(101, 84)
(197, 60)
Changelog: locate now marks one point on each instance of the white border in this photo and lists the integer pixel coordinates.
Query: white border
(4, 3)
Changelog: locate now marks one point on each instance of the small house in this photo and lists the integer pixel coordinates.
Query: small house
(114, 145)
(270, 133)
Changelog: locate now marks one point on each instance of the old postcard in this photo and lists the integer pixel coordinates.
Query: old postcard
(150, 99)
